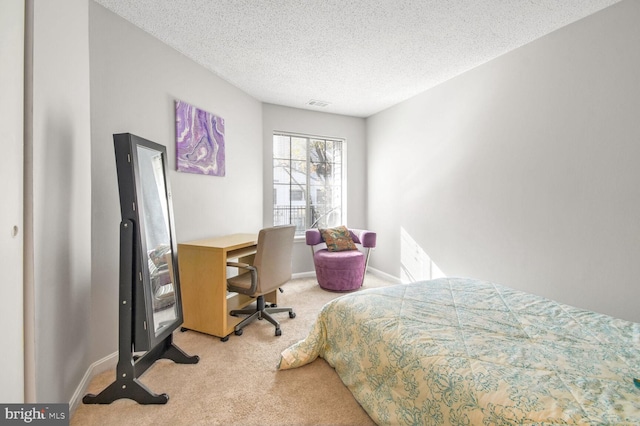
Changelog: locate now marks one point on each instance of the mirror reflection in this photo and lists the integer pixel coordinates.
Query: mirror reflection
(157, 235)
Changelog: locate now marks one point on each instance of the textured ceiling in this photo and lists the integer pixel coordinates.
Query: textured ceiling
(361, 56)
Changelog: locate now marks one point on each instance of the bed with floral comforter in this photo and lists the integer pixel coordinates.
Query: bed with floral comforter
(466, 352)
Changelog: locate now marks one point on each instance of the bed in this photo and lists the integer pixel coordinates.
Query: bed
(455, 351)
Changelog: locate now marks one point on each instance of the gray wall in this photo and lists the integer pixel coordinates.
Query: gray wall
(58, 166)
(523, 171)
(284, 119)
(135, 80)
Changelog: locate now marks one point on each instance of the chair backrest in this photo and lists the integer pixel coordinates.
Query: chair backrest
(273, 257)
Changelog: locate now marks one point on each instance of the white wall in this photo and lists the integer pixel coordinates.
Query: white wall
(12, 27)
(135, 80)
(59, 249)
(523, 171)
(315, 123)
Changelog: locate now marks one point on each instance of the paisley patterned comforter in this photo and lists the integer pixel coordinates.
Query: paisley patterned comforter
(465, 352)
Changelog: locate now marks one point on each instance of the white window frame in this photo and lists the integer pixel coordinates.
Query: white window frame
(341, 218)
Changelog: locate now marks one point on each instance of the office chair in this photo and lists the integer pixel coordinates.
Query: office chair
(270, 270)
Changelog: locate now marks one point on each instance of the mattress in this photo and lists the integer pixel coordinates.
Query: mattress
(459, 351)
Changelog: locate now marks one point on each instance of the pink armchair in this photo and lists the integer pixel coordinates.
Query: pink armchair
(341, 270)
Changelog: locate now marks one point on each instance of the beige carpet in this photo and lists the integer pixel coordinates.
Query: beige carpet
(236, 382)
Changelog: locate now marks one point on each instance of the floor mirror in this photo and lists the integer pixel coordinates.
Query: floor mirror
(149, 302)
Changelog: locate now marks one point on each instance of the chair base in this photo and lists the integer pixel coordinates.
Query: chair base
(340, 271)
(260, 312)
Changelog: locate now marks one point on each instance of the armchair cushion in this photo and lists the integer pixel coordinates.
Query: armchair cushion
(338, 239)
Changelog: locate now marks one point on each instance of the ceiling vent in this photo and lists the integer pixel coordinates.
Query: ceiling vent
(318, 104)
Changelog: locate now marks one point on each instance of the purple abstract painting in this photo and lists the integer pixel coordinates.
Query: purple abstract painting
(199, 141)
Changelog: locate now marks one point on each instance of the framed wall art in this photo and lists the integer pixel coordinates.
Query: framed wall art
(199, 141)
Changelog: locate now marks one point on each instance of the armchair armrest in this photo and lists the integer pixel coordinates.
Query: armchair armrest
(360, 236)
(313, 237)
(368, 239)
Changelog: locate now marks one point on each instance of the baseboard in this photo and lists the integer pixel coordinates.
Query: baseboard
(304, 274)
(107, 363)
(371, 270)
(384, 275)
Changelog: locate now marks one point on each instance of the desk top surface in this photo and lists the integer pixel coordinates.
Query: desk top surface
(226, 242)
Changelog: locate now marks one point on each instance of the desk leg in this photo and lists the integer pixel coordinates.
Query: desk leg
(271, 298)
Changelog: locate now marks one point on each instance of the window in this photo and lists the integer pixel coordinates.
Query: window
(308, 181)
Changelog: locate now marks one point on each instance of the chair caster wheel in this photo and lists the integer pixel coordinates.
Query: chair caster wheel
(182, 329)
(224, 339)
(278, 332)
(238, 332)
(292, 314)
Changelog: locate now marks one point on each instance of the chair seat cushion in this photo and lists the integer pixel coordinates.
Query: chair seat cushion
(339, 271)
(348, 259)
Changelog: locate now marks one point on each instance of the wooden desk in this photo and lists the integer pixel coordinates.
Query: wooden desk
(203, 282)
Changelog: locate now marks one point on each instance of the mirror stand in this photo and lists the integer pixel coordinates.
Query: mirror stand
(130, 367)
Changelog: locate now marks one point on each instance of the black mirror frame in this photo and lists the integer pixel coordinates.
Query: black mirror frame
(135, 305)
(132, 208)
